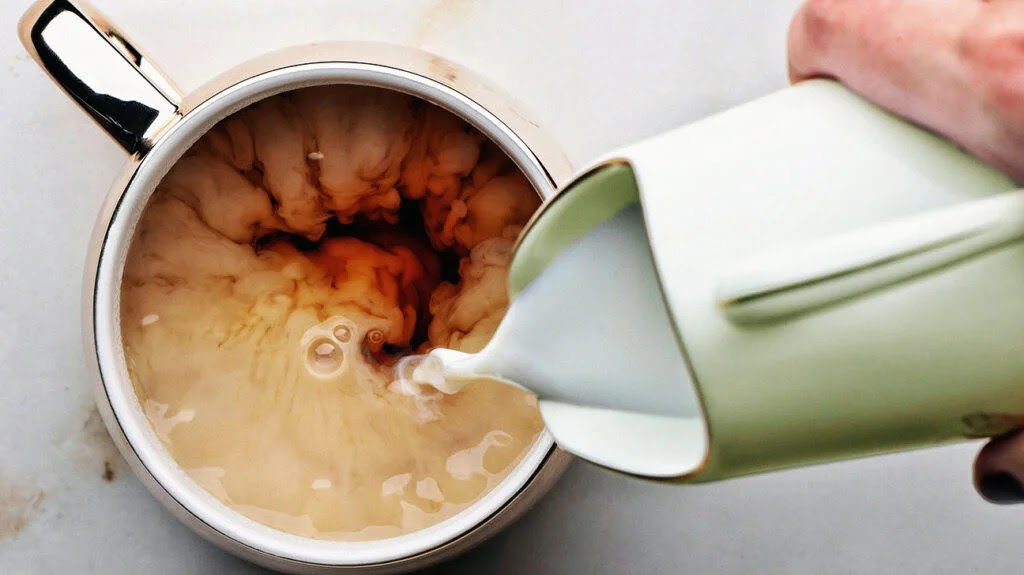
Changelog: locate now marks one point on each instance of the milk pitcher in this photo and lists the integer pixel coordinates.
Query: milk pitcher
(839, 283)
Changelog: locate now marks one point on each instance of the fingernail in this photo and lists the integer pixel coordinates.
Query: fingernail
(1001, 488)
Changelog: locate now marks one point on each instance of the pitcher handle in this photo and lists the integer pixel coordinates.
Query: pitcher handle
(101, 70)
(848, 266)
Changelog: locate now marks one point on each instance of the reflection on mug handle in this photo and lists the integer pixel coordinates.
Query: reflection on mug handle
(101, 71)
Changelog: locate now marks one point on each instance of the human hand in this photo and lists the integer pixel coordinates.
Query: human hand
(953, 66)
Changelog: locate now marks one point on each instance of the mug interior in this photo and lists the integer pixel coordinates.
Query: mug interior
(106, 333)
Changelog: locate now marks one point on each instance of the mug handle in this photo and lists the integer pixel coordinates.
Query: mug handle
(101, 70)
(844, 267)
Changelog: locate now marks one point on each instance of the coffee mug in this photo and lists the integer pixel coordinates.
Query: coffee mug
(145, 113)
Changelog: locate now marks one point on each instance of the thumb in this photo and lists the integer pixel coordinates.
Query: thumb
(999, 469)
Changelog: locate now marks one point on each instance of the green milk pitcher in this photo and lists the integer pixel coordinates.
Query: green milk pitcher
(834, 283)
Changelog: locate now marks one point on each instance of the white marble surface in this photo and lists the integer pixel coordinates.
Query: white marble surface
(596, 74)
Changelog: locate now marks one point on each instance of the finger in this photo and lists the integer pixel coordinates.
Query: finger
(999, 470)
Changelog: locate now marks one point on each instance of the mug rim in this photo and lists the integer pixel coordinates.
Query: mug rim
(114, 235)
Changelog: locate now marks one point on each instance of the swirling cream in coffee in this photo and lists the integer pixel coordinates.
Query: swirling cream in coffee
(283, 266)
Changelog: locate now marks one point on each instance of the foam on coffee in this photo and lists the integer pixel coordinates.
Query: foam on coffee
(283, 267)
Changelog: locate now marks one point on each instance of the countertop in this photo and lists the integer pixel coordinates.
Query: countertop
(596, 74)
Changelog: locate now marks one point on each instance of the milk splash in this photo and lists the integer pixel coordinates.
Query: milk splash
(418, 375)
(443, 372)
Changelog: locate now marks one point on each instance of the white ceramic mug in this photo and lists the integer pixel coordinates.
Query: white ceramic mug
(141, 109)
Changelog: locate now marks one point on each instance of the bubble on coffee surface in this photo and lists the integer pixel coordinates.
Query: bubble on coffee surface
(327, 344)
(342, 333)
(325, 356)
(280, 273)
